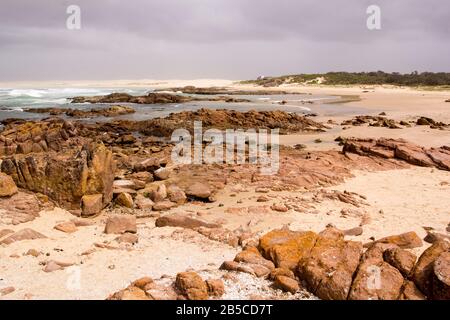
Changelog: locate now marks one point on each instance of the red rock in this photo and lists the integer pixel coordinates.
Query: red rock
(183, 221)
(401, 259)
(441, 277)
(329, 268)
(67, 227)
(192, 286)
(125, 199)
(7, 290)
(24, 234)
(376, 279)
(199, 190)
(127, 238)
(286, 284)
(411, 292)
(120, 224)
(285, 248)
(216, 287)
(252, 255)
(407, 240)
(423, 271)
(91, 204)
(7, 185)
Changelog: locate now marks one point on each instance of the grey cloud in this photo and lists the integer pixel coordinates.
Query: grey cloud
(218, 38)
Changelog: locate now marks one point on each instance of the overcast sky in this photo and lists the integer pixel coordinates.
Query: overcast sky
(232, 39)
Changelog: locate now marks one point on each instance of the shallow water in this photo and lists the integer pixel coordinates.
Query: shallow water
(14, 101)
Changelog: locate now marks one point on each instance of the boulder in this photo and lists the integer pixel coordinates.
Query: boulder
(143, 203)
(183, 221)
(118, 224)
(251, 255)
(192, 286)
(162, 173)
(127, 238)
(67, 227)
(7, 186)
(285, 247)
(411, 292)
(216, 287)
(328, 269)
(199, 190)
(91, 204)
(129, 293)
(407, 240)
(286, 284)
(424, 269)
(375, 279)
(164, 205)
(176, 195)
(441, 277)
(401, 259)
(125, 199)
(65, 176)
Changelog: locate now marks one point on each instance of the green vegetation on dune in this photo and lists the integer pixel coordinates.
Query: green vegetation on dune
(414, 79)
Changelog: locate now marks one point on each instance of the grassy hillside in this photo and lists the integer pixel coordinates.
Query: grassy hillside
(414, 79)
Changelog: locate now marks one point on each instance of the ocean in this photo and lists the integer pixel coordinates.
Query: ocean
(13, 103)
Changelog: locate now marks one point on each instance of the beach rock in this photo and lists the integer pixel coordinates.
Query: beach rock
(432, 237)
(67, 227)
(376, 279)
(164, 205)
(281, 272)
(129, 293)
(407, 240)
(216, 287)
(65, 176)
(33, 253)
(357, 231)
(127, 238)
(22, 207)
(143, 203)
(285, 247)
(400, 149)
(124, 184)
(6, 291)
(328, 269)
(118, 224)
(411, 292)
(7, 186)
(286, 284)
(52, 266)
(441, 277)
(82, 222)
(91, 204)
(24, 234)
(125, 199)
(423, 271)
(162, 173)
(401, 259)
(279, 208)
(199, 190)
(176, 195)
(159, 194)
(252, 256)
(183, 221)
(192, 286)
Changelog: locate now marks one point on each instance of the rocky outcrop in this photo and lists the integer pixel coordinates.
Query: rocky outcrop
(373, 121)
(112, 111)
(66, 176)
(400, 149)
(24, 137)
(333, 268)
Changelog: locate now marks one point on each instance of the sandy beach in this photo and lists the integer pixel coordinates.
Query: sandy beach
(393, 197)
